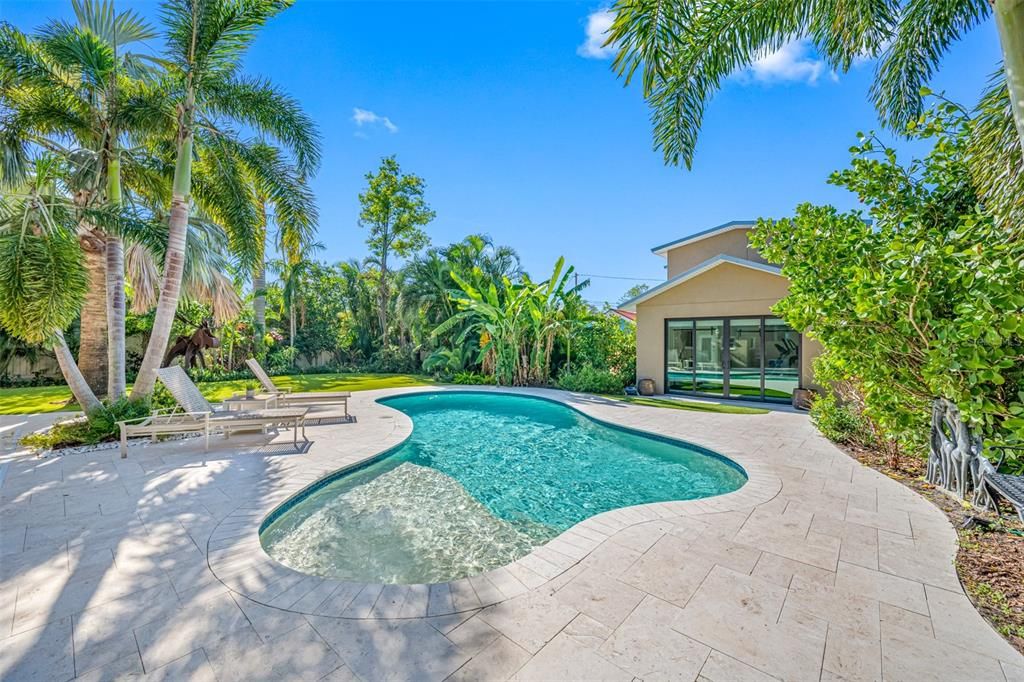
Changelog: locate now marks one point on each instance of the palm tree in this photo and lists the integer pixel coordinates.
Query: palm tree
(547, 313)
(685, 50)
(427, 281)
(42, 278)
(205, 44)
(284, 201)
(518, 322)
(357, 296)
(71, 81)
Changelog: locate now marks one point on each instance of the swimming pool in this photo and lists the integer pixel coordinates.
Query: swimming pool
(483, 479)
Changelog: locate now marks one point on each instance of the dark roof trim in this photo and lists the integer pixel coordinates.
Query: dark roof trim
(710, 232)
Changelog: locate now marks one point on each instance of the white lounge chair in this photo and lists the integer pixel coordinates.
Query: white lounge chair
(287, 398)
(195, 414)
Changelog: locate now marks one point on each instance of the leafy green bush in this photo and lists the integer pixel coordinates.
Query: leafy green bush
(218, 373)
(281, 361)
(393, 360)
(472, 379)
(589, 379)
(840, 423)
(98, 426)
(606, 342)
(922, 301)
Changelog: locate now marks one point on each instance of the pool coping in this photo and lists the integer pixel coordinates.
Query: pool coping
(239, 562)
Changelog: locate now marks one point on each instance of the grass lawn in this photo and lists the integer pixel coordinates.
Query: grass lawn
(692, 406)
(52, 398)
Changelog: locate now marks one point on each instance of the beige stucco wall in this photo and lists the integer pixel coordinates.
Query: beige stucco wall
(731, 243)
(727, 290)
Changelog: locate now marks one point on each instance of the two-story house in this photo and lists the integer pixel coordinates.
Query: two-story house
(709, 329)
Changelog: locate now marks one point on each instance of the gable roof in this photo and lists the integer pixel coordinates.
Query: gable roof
(704, 234)
(695, 271)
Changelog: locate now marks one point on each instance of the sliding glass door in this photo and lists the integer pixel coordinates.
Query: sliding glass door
(745, 358)
(710, 374)
(679, 355)
(756, 358)
(782, 363)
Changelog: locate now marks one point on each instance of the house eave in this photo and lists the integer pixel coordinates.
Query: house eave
(663, 249)
(696, 271)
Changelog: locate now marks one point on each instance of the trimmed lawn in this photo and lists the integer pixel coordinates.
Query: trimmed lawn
(33, 399)
(691, 406)
(53, 398)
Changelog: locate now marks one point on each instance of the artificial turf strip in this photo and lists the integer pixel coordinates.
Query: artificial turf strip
(692, 406)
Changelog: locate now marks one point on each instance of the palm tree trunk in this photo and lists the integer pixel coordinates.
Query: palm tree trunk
(259, 303)
(1010, 22)
(73, 376)
(174, 264)
(92, 347)
(115, 291)
(291, 323)
(259, 285)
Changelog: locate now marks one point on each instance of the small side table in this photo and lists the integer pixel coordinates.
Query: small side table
(242, 402)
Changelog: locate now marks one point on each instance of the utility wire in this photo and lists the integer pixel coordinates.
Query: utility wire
(631, 279)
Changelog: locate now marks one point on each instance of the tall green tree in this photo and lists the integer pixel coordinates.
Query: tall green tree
(685, 50)
(205, 94)
(72, 81)
(393, 212)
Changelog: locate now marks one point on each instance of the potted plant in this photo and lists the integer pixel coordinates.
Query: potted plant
(250, 389)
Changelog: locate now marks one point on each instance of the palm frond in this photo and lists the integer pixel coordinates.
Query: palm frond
(926, 30)
(994, 158)
(208, 38)
(117, 29)
(78, 50)
(258, 104)
(221, 190)
(846, 30)
(287, 194)
(146, 109)
(143, 277)
(687, 49)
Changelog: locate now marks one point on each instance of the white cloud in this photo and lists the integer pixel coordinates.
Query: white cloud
(598, 23)
(365, 117)
(866, 57)
(790, 63)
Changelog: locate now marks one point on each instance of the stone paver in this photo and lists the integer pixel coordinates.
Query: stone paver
(151, 567)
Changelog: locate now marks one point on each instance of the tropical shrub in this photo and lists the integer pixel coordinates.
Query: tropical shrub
(590, 379)
(392, 360)
(602, 340)
(841, 422)
(446, 362)
(923, 301)
(473, 379)
(99, 426)
(516, 324)
(282, 360)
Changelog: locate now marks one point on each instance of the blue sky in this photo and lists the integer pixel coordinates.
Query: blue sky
(522, 131)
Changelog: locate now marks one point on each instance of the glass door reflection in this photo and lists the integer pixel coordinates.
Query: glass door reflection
(708, 345)
(745, 358)
(679, 355)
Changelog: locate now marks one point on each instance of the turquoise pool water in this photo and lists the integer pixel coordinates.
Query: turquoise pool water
(483, 479)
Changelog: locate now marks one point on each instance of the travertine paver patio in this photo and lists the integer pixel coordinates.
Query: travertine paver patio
(818, 569)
